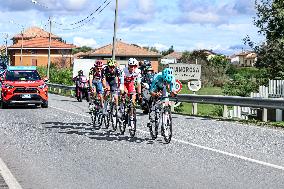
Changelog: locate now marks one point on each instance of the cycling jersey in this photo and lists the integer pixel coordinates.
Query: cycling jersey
(158, 83)
(128, 79)
(110, 77)
(97, 77)
(96, 74)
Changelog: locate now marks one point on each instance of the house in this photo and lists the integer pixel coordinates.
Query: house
(244, 59)
(174, 57)
(123, 52)
(30, 48)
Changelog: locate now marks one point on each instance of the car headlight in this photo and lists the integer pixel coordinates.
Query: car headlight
(42, 86)
(8, 86)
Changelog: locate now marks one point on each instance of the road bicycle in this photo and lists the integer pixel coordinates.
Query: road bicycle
(160, 116)
(112, 117)
(127, 118)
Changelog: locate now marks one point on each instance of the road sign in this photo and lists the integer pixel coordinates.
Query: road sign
(194, 85)
(168, 61)
(178, 86)
(186, 71)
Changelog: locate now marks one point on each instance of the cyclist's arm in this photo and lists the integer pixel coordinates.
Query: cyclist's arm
(139, 83)
(91, 78)
(122, 75)
(172, 87)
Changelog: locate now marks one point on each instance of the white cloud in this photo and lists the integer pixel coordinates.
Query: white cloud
(160, 46)
(90, 42)
(146, 6)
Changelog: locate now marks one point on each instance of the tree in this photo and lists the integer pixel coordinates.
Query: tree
(169, 51)
(81, 49)
(154, 49)
(270, 21)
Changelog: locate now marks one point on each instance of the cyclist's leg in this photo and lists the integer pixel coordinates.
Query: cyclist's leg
(100, 92)
(131, 90)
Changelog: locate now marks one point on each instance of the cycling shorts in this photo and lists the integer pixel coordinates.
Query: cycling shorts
(113, 86)
(99, 86)
(130, 87)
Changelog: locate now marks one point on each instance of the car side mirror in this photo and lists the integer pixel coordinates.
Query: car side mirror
(45, 79)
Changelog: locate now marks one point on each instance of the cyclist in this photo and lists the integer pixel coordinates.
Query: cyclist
(143, 66)
(161, 81)
(77, 80)
(112, 74)
(148, 76)
(130, 77)
(97, 80)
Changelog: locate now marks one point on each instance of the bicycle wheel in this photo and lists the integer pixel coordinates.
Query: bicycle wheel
(132, 121)
(122, 118)
(113, 117)
(166, 126)
(153, 125)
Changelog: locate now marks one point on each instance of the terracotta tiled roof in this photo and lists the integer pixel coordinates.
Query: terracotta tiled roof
(123, 49)
(42, 43)
(33, 32)
(175, 55)
(244, 53)
(251, 55)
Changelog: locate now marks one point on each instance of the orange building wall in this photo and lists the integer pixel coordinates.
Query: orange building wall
(41, 58)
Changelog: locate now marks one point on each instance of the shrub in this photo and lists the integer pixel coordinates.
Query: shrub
(57, 75)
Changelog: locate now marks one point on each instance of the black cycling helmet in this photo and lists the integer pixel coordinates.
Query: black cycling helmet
(80, 72)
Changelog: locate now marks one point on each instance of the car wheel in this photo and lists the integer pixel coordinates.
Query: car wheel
(44, 104)
(4, 105)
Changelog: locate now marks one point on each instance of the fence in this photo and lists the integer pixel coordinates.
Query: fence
(275, 89)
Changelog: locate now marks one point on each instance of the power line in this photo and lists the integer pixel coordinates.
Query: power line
(80, 21)
(85, 20)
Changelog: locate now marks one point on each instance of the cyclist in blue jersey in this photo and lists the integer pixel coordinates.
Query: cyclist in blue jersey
(163, 80)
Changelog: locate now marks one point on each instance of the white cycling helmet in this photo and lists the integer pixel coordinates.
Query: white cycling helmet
(132, 62)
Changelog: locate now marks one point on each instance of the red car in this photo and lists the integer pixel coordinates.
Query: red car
(23, 85)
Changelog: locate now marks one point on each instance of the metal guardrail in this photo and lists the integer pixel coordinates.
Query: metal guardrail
(58, 88)
(263, 103)
(61, 86)
(270, 103)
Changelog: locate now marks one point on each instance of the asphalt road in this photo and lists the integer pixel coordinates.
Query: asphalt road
(58, 148)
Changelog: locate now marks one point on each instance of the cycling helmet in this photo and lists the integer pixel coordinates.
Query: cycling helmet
(80, 72)
(111, 62)
(98, 63)
(167, 75)
(132, 62)
(149, 68)
(147, 63)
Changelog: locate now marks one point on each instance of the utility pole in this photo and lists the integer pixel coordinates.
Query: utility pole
(114, 32)
(49, 40)
(6, 45)
(22, 44)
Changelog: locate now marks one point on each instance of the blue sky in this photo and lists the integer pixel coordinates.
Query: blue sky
(219, 25)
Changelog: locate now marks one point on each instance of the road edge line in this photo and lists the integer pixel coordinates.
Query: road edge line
(8, 176)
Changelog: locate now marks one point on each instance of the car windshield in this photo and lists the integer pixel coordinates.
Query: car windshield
(21, 75)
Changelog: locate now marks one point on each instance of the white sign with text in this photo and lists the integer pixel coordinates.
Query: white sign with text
(186, 71)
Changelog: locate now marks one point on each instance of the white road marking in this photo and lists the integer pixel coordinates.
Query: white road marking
(200, 146)
(8, 176)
